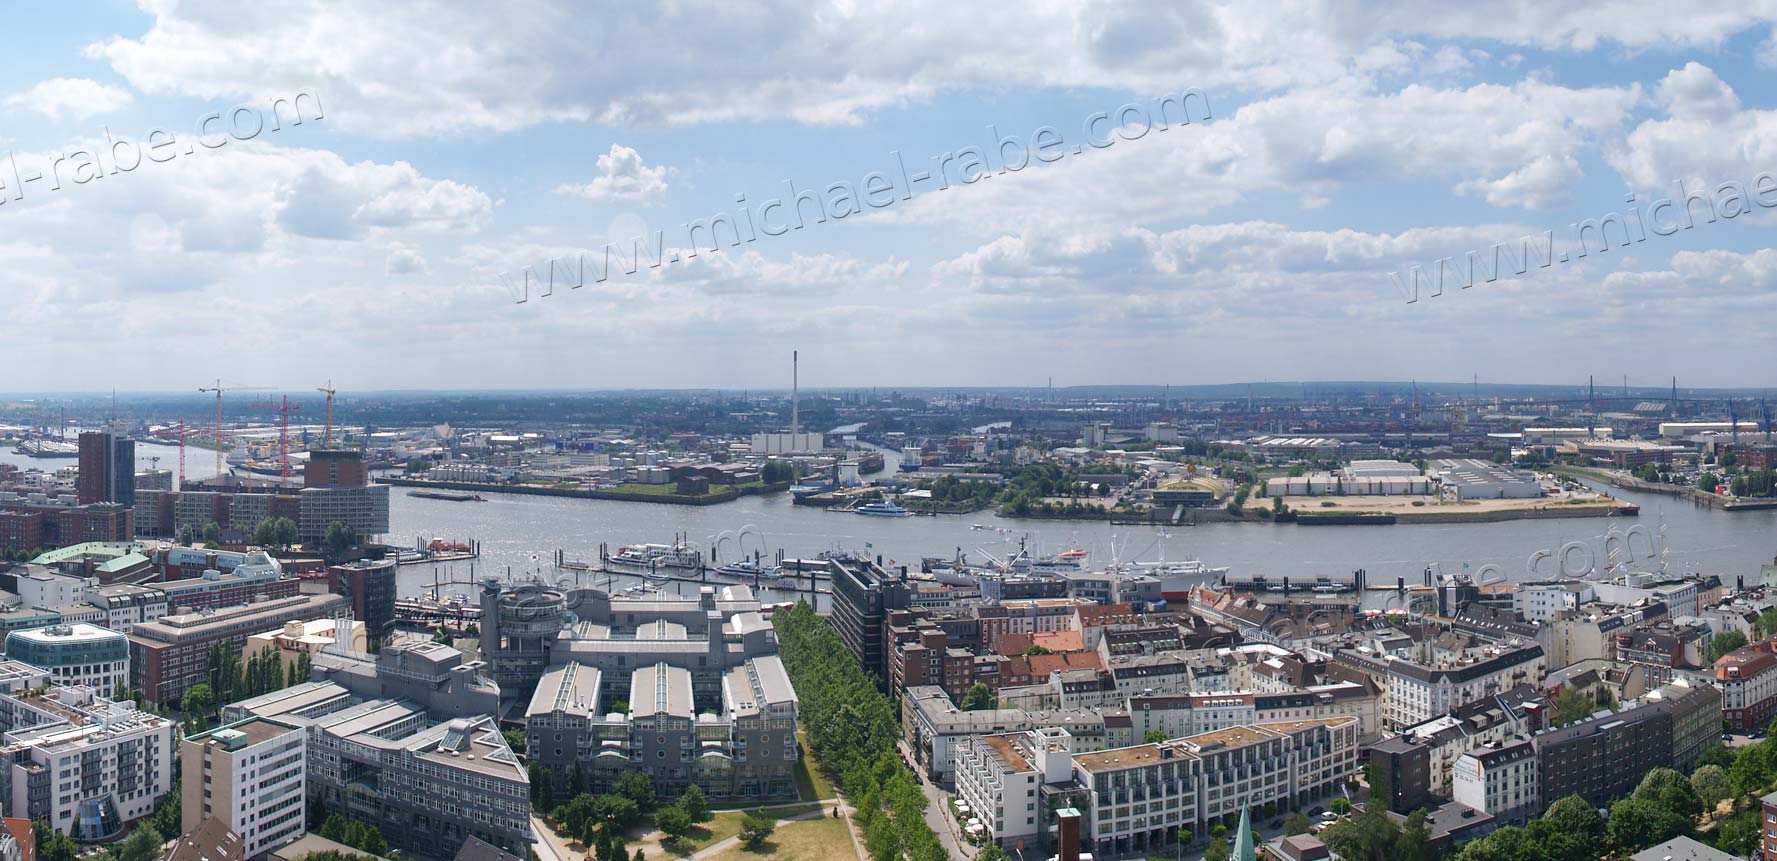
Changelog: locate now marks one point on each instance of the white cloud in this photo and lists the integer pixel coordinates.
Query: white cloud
(77, 98)
(1541, 184)
(1705, 137)
(403, 260)
(413, 73)
(624, 178)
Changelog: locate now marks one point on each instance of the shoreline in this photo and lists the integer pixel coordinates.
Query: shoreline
(714, 497)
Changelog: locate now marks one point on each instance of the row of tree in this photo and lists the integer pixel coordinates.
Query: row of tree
(853, 729)
(601, 822)
(355, 834)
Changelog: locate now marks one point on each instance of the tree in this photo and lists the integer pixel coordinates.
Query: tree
(1636, 824)
(1217, 850)
(1033, 651)
(756, 828)
(1153, 736)
(339, 537)
(1718, 755)
(1739, 834)
(52, 845)
(979, 697)
(187, 535)
(212, 532)
(1572, 706)
(1751, 771)
(639, 856)
(1576, 815)
(694, 805)
(1725, 642)
(1366, 836)
(1296, 823)
(992, 852)
(542, 790)
(635, 786)
(1671, 791)
(1340, 806)
(1711, 784)
(672, 821)
(777, 472)
(1708, 481)
(1414, 842)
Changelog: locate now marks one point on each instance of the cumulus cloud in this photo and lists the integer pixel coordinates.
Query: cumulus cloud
(414, 74)
(76, 98)
(1704, 137)
(624, 177)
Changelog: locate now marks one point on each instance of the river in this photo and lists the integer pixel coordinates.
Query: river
(522, 533)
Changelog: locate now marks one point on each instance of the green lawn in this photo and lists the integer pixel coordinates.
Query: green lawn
(811, 840)
(811, 777)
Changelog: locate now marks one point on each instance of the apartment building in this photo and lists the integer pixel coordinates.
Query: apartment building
(1416, 690)
(1502, 780)
(1748, 681)
(1605, 756)
(1419, 762)
(82, 763)
(1028, 616)
(249, 775)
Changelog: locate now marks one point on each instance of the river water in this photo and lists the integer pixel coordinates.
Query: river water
(522, 533)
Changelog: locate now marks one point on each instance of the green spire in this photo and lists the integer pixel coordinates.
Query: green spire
(1243, 841)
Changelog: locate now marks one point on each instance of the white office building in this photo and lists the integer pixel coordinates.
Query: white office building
(250, 775)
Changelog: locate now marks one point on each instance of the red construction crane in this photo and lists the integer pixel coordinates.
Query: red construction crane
(219, 389)
(284, 434)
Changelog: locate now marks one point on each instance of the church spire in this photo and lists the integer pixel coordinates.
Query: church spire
(1243, 841)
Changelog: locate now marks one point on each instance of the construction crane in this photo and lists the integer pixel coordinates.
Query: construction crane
(284, 407)
(219, 389)
(327, 435)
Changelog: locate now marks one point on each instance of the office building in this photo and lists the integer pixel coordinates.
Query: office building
(80, 654)
(1133, 800)
(298, 639)
(82, 763)
(370, 586)
(107, 468)
(863, 597)
(249, 776)
(171, 653)
(739, 746)
(427, 785)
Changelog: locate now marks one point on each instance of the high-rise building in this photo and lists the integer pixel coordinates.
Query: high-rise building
(107, 468)
(250, 776)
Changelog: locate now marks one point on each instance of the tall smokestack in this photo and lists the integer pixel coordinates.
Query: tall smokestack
(795, 398)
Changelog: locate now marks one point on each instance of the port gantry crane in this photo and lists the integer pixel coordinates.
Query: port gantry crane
(219, 388)
(327, 435)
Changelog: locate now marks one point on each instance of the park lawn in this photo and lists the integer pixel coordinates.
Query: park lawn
(809, 840)
(811, 776)
(705, 834)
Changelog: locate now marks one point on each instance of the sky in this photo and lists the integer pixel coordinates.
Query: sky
(382, 242)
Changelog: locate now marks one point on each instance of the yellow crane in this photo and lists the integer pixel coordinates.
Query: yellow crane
(327, 435)
(219, 389)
